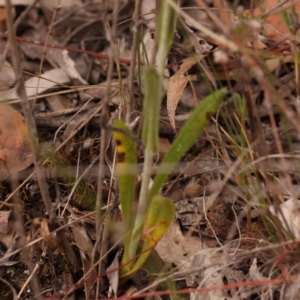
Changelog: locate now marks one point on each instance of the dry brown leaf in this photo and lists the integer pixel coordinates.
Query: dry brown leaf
(220, 220)
(15, 151)
(113, 276)
(178, 249)
(177, 85)
(85, 245)
(49, 243)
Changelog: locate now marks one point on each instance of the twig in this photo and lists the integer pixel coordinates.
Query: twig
(131, 103)
(43, 185)
(13, 291)
(219, 38)
(24, 13)
(20, 89)
(16, 25)
(44, 52)
(71, 13)
(103, 122)
(76, 50)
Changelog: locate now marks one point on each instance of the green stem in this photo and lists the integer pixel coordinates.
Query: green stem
(143, 203)
(153, 97)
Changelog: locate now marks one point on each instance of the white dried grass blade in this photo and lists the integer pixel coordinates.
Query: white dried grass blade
(68, 64)
(48, 81)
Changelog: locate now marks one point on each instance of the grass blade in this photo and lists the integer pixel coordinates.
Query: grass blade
(186, 137)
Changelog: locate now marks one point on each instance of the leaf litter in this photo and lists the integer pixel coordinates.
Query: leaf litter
(236, 209)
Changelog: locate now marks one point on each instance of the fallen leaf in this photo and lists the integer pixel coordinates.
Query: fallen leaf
(48, 81)
(85, 246)
(288, 214)
(113, 276)
(193, 189)
(277, 29)
(15, 151)
(49, 242)
(175, 248)
(254, 272)
(210, 276)
(220, 220)
(67, 63)
(177, 85)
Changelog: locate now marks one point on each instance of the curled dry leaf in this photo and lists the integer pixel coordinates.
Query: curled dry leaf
(177, 85)
(15, 151)
(49, 243)
(85, 246)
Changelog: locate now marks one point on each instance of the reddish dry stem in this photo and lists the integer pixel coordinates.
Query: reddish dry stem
(274, 281)
(98, 55)
(106, 57)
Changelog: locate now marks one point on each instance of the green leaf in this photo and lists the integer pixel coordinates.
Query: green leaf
(151, 108)
(160, 216)
(126, 167)
(186, 137)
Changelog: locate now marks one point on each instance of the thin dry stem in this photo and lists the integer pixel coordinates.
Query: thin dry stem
(103, 122)
(20, 87)
(220, 39)
(16, 25)
(131, 100)
(44, 50)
